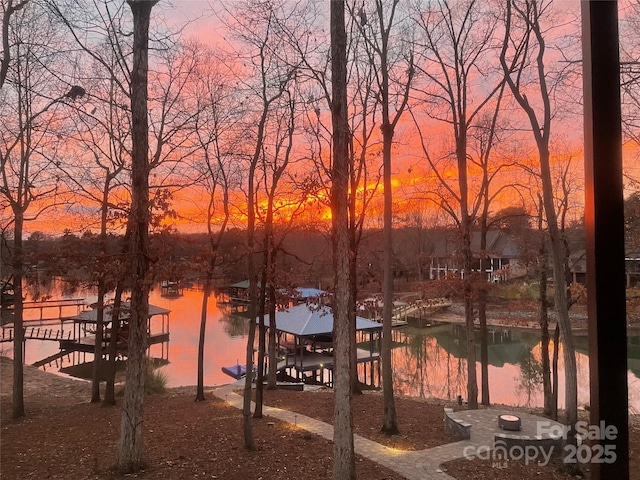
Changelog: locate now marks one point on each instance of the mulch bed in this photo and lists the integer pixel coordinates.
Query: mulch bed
(65, 437)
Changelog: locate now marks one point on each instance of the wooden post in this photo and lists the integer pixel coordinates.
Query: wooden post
(604, 221)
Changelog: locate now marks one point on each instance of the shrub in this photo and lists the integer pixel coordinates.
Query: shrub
(156, 381)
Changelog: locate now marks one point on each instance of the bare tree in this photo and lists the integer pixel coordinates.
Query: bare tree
(459, 41)
(343, 449)
(130, 442)
(265, 81)
(523, 49)
(275, 162)
(486, 136)
(102, 139)
(392, 61)
(31, 99)
(218, 137)
(10, 7)
(364, 172)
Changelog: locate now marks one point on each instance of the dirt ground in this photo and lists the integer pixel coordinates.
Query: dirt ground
(65, 437)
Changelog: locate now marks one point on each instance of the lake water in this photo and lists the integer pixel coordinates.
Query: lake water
(427, 362)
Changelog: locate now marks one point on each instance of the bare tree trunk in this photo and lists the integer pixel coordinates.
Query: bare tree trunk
(273, 354)
(109, 390)
(556, 351)
(484, 340)
(482, 307)
(541, 129)
(544, 334)
(561, 304)
(130, 443)
(547, 388)
(262, 334)
(343, 449)
(18, 326)
(249, 442)
(353, 291)
(206, 293)
(390, 417)
(472, 380)
(97, 352)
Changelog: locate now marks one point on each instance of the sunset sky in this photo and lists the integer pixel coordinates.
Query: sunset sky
(415, 183)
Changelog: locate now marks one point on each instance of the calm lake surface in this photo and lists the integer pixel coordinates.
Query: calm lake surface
(427, 362)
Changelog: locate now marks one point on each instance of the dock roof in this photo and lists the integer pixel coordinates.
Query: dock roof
(304, 292)
(304, 321)
(91, 316)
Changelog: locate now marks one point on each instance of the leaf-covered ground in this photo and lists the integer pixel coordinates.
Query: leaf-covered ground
(64, 436)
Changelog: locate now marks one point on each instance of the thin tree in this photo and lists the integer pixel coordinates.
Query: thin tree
(10, 7)
(130, 442)
(364, 174)
(486, 136)
(274, 164)
(525, 43)
(343, 449)
(217, 135)
(393, 93)
(29, 101)
(101, 137)
(266, 80)
(458, 40)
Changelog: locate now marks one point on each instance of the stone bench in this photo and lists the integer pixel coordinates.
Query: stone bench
(508, 441)
(455, 427)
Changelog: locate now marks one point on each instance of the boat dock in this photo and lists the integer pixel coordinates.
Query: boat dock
(77, 333)
(36, 333)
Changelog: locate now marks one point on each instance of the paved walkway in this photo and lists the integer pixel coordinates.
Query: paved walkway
(413, 465)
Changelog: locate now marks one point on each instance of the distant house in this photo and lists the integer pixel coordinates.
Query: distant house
(499, 261)
(632, 268)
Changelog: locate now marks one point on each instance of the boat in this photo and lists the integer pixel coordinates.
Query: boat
(236, 371)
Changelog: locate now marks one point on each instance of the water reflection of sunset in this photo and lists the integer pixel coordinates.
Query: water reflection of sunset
(428, 363)
(220, 349)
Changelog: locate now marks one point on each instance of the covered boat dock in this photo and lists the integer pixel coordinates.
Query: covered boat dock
(304, 336)
(84, 327)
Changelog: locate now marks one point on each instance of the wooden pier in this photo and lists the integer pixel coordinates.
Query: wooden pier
(36, 333)
(84, 326)
(88, 343)
(77, 333)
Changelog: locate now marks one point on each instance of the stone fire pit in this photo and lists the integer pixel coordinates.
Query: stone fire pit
(509, 421)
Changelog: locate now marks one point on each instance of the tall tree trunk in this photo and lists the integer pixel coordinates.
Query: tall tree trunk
(561, 300)
(543, 273)
(541, 130)
(484, 340)
(353, 293)
(97, 351)
(273, 354)
(544, 334)
(18, 325)
(482, 310)
(556, 351)
(390, 417)
(206, 294)
(262, 334)
(130, 443)
(249, 441)
(343, 449)
(472, 381)
(110, 387)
